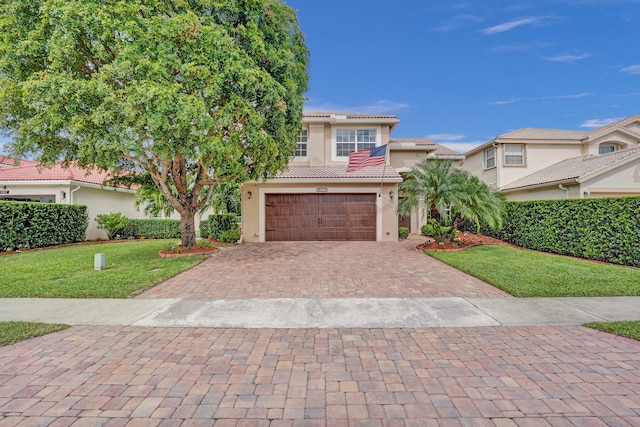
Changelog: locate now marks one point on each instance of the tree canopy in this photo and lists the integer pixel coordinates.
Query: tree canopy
(211, 89)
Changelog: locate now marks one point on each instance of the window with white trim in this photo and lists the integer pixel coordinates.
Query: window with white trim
(606, 149)
(351, 139)
(303, 139)
(490, 158)
(513, 154)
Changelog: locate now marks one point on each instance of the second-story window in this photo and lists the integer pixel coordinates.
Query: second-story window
(303, 139)
(605, 149)
(513, 154)
(490, 158)
(348, 140)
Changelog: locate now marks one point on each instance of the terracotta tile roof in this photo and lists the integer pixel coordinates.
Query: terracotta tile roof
(32, 171)
(6, 161)
(620, 123)
(339, 172)
(416, 141)
(438, 150)
(573, 169)
(328, 115)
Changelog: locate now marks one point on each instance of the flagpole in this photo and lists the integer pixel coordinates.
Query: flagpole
(384, 170)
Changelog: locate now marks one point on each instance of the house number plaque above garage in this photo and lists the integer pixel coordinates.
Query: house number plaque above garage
(322, 190)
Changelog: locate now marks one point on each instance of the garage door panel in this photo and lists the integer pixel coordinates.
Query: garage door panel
(332, 216)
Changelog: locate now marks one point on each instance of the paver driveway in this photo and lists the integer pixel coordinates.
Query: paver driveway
(503, 376)
(473, 376)
(323, 270)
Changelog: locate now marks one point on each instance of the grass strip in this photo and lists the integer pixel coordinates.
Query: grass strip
(67, 272)
(13, 332)
(526, 273)
(629, 329)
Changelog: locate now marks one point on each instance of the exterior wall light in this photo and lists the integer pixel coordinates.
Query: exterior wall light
(249, 194)
(391, 193)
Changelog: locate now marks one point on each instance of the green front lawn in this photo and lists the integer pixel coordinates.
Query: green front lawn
(12, 332)
(525, 273)
(67, 272)
(624, 329)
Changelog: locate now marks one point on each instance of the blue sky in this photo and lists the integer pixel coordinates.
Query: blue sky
(464, 72)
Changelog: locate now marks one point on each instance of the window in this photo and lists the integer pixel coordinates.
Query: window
(513, 154)
(490, 158)
(348, 140)
(605, 149)
(301, 149)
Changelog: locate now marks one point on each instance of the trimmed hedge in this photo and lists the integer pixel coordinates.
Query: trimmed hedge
(34, 225)
(606, 229)
(154, 228)
(219, 227)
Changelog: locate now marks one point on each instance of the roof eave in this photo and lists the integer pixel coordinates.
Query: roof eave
(542, 185)
(354, 180)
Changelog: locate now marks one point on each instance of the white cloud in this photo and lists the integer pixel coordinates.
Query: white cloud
(518, 47)
(457, 22)
(567, 57)
(448, 137)
(463, 147)
(508, 26)
(541, 98)
(596, 123)
(632, 69)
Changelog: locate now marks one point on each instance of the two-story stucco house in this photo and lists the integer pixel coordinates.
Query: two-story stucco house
(317, 199)
(535, 164)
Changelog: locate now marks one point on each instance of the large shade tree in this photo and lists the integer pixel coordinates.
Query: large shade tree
(193, 93)
(448, 196)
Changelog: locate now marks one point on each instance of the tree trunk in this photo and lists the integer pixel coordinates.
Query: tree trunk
(188, 229)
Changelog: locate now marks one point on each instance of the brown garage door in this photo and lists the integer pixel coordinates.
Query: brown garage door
(320, 217)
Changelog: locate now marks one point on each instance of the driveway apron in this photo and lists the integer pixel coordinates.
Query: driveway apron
(529, 375)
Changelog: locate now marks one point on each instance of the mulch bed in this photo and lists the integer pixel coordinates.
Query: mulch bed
(464, 241)
(180, 251)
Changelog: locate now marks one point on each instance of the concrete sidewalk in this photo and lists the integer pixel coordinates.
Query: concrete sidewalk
(322, 312)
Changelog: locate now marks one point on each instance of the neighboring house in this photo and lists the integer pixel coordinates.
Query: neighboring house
(536, 164)
(28, 181)
(317, 199)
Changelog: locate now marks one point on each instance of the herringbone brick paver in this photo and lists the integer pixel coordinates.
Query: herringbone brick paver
(323, 270)
(482, 376)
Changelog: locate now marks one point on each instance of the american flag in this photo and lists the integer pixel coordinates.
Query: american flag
(369, 157)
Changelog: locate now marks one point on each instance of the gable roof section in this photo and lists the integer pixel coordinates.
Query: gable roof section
(435, 149)
(575, 169)
(33, 171)
(620, 124)
(544, 134)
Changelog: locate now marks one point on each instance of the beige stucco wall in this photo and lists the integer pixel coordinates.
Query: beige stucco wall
(406, 159)
(622, 181)
(537, 157)
(253, 211)
(474, 164)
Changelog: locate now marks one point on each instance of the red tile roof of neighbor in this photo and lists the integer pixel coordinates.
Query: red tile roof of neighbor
(29, 170)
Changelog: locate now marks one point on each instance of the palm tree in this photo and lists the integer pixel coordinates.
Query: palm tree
(449, 196)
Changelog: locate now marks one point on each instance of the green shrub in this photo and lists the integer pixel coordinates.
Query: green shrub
(114, 224)
(34, 225)
(229, 236)
(403, 232)
(154, 228)
(218, 223)
(606, 229)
